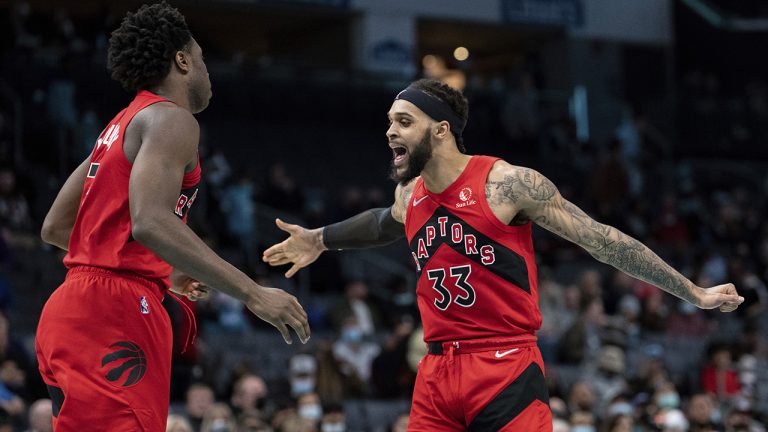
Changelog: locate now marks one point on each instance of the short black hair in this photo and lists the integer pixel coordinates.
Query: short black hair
(142, 48)
(454, 98)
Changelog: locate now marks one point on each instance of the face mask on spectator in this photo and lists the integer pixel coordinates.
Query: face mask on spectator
(300, 386)
(668, 400)
(333, 427)
(311, 412)
(352, 334)
(582, 428)
(219, 425)
(620, 408)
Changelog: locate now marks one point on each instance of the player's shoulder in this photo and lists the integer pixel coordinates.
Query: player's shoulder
(502, 169)
(166, 115)
(519, 183)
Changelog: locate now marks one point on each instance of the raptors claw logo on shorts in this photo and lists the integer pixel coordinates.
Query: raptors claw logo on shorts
(135, 363)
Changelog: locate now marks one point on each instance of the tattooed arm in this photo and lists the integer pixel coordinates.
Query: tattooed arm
(528, 195)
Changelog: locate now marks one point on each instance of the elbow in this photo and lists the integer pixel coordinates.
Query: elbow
(51, 231)
(142, 230)
(47, 232)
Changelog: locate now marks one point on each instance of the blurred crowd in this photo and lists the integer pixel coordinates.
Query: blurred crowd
(621, 355)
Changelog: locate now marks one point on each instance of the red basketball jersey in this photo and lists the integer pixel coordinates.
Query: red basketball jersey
(477, 276)
(102, 233)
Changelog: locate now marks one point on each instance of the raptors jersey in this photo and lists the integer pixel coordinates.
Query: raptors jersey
(102, 233)
(477, 276)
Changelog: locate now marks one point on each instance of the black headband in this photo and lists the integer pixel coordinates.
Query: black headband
(433, 107)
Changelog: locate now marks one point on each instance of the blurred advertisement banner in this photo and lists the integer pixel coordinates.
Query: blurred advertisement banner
(569, 13)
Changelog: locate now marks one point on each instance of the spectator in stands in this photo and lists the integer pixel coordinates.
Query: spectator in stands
(400, 424)
(700, 412)
(583, 421)
(560, 425)
(401, 302)
(219, 418)
(628, 318)
(666, 397)
(740, 418)
(607, 380)
(331, 383)
(18, 373)
(40, 416)
(309, 407)
(356, 304)
(619, 423)
(15, 219)
(248, 393)
(630, 137)
(252, 422)
(199, 399)
(581, 341)
(238, 205)
(303, 374)
(651, 371)
(581, 398)
(718, 377)
(554, 315)
(687, 321)
(354, 353)
(655, 311)
(671, 231)
(559, 408)
(281, 191)
(177, 423)
(673, 421)
(334, 419)
(754, 290)
(391, 375)
(610, 184)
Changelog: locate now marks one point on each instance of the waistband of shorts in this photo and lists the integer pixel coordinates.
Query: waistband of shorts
(79, 271)
(480, 345)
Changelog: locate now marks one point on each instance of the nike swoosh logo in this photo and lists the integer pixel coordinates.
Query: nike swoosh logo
(417, 201)
(502, 354)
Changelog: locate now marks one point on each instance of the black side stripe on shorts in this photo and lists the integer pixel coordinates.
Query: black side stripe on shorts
(57, 399)
(518, 395)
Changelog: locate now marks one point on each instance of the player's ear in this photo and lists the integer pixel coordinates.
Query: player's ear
(182, 60)
(442, 129)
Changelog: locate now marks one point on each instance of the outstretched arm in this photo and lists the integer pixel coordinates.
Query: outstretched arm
(371, 228)
(537, 199)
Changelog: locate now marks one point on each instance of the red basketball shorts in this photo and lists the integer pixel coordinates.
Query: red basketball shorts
(104, 350)
(481, 386)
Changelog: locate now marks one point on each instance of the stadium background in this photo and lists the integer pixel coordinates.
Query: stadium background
(652, 115)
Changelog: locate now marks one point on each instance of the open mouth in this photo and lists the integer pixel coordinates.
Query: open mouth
(399, 154)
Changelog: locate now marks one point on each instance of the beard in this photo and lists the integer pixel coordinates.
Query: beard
(417, 160)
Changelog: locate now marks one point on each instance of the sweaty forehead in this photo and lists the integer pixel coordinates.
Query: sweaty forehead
(400, 107)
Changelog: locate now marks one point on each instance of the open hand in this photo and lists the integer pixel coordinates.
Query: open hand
(302, 248)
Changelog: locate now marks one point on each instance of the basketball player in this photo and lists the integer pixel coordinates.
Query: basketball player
(468, 222)
(104, 340)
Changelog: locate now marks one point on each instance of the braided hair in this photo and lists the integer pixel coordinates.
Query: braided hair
(142, 48)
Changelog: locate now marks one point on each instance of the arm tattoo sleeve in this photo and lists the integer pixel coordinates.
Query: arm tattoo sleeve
(634, 258)
(607, 244)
